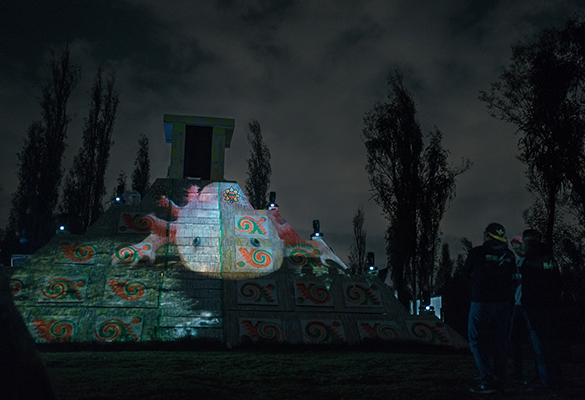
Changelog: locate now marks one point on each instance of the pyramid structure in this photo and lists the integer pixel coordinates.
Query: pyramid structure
(193, 258)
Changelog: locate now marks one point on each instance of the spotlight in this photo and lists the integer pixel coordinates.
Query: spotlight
(371, 259)
(316, 228)
(61, 230)
(272, 202)
(119, 194)
(372, 269)
(427, 309)
(425, 302)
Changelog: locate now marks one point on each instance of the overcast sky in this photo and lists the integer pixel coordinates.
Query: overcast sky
(306, 70)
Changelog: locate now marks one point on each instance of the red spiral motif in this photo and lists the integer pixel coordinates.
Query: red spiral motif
(302, 257)
(317, 331)
(380, 331)
(423, 332)
(362, 295)
(130, 253)
(115, 330)
(54, 331)
(429, 333)
(269, 331)
(387, 332)
(356, 294)
(262, 330)
(62, 330)
(128, 290)
(251, 226)
(318, 294)
(253, 291)
(62, 288)
(256, 258)
(79, 252)
(136, 222)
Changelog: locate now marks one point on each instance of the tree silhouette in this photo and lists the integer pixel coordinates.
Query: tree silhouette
(259, 169)
(85, 184)
(357, 251)
(39, 174)
(141, 173)
(437, 190)
(412, 185)
(541, 92)
(457, 292)
(445, 270)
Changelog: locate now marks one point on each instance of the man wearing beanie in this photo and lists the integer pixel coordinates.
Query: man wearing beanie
(491, 267)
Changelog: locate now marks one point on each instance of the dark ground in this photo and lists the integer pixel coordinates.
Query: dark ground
(172, 372)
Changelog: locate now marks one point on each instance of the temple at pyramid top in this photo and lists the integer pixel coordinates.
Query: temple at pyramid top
(198, 146)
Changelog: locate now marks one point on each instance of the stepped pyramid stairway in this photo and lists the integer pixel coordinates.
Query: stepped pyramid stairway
(194, 259)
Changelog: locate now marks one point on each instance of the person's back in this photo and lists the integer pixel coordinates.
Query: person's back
(541, 293)
(541, 279)
(491, 267)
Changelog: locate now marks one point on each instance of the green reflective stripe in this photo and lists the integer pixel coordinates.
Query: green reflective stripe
(162, 274)
(220, 231)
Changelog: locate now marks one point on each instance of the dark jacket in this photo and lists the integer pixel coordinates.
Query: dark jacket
(491, 267)
(541, 279)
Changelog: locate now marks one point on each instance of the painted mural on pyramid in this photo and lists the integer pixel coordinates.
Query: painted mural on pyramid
(194, 259)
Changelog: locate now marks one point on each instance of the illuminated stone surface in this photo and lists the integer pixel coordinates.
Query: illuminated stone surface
(194, 259)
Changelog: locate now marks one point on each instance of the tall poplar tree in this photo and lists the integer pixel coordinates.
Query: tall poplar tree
(259, 169)
(411, 184)
(141, 173)
(85, 184)
(357, 251)
(541, 93)
(34, 202)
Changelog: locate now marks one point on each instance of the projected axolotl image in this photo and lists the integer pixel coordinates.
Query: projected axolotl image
(217, 231)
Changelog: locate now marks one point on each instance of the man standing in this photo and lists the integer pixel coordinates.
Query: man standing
(491, 267)
(541, 294)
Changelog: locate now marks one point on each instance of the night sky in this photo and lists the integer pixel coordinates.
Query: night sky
(307, 71)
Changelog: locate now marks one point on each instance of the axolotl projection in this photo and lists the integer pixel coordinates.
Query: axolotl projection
(217, 231)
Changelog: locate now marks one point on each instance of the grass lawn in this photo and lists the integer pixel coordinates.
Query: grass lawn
(278, 374)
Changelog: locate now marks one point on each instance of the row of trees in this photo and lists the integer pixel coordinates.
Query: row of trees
(541, 93)
(40, 172)
(36, 210)
(85, 186)
(412, 182)
(41, 201)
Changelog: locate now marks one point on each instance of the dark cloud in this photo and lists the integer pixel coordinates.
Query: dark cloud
(306, 70)
(267, 11)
